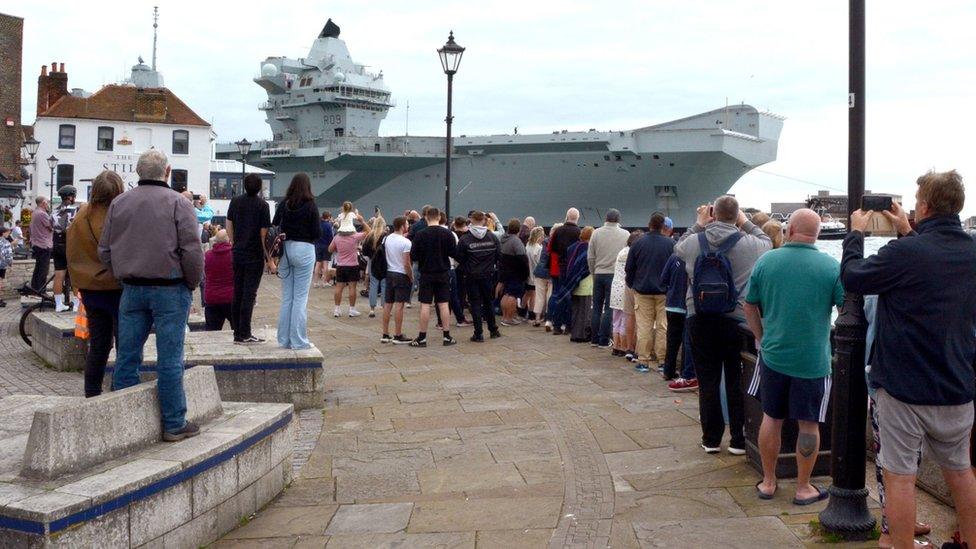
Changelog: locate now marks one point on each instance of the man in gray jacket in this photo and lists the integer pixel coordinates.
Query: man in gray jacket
(601, 256)
(715, 339)
(151, 242)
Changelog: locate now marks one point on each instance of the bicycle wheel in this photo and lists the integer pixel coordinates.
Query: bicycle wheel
(25, 324)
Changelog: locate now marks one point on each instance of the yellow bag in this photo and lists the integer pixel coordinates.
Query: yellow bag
(81, 323)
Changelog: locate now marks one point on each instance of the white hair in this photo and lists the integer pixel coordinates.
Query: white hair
(152, 165)
(572, 215)
(221, 236)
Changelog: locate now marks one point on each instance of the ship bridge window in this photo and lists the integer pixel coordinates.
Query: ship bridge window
(638, 157)
(617, 157)
(606, 157)
(656, 157)
(339, 132)
(376, 147)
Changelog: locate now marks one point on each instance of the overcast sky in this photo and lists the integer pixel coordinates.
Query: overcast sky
(548, 65)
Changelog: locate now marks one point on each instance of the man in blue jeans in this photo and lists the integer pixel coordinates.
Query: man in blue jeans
(151, 242)
(601, 255)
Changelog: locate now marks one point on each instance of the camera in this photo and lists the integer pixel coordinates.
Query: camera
(876, 203)
(196, 197)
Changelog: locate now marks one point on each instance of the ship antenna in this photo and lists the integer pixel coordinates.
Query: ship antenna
(406, 131)
(155, 26)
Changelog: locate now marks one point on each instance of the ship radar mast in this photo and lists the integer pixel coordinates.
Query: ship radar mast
(155, 27)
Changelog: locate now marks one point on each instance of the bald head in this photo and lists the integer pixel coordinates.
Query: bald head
(572, 215)
(804, 226)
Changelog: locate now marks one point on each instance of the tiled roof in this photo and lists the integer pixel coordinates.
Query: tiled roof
(127, 104)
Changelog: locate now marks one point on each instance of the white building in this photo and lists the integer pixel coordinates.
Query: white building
(107, 130)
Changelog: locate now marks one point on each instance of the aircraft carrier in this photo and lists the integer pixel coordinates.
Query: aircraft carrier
(325, 111)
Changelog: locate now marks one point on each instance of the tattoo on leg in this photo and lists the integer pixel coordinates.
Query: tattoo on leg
(806, 444)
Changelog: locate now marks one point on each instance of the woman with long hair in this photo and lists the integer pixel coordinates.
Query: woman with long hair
(100, 292)
(376, 286)
(774, 230)
(345, 246)
(533, 249)
(298, 218)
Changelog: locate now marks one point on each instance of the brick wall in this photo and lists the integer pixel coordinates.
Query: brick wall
(11, 50)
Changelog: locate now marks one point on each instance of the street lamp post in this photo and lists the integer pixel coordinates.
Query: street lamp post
(30, 148)
(450, 55)
(52, 162)
(244, 147)
(847, 511)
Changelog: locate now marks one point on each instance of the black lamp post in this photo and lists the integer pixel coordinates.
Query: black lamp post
(847, 511)
(30, 148)
(450, 55)
(244, 147)
(52, 162)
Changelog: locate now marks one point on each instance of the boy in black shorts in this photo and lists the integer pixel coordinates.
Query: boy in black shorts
(399, 280)
(432, 250)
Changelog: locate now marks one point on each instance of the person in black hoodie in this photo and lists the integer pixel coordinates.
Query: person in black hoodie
(478, 254)
(298, 218)
(432, 249)
(924, 349)
(513, 270)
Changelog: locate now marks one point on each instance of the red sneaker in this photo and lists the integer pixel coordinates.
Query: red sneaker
(682, 385)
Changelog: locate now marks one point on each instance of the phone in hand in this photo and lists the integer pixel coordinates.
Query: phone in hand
(876, 203)
(196, 197)
(711, 212)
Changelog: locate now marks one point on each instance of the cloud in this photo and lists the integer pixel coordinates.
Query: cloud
(549, 65)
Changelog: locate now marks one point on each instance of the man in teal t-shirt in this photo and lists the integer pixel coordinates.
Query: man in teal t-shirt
(792, 292)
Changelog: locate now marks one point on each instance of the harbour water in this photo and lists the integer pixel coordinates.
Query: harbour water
(835, 247)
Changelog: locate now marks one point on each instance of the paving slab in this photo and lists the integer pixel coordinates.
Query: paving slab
(734, 533)
(485, 514)
(376, 518)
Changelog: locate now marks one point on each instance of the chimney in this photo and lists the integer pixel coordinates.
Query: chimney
(51, 87)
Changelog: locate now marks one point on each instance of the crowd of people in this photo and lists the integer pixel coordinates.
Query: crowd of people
(667, 304)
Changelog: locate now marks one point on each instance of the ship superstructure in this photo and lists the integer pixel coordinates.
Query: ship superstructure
(325, 110)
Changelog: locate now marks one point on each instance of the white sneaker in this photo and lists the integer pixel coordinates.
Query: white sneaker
(61, 308)
(337, 312)
(710, 449)
(372, 313)
(353, 313)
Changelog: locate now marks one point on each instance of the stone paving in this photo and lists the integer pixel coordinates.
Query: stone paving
(525, 441)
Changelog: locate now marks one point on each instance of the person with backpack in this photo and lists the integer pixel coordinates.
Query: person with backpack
(645, 262)
(63, 216)
(719, 252)
(392, 263)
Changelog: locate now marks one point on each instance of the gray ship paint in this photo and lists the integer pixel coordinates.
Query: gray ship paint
(325, 111)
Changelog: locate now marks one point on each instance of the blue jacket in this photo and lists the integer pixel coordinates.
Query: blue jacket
(645, 261)
(924, 347)
(674, 278)
(328, 232)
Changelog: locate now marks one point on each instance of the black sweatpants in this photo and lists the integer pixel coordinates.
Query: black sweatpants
(42, 265)
(715, 347)
(103, 332)
(481, 292)
(214, 316)
(676, 332)
(247, 279)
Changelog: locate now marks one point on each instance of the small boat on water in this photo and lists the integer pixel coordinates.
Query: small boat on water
(831, 229)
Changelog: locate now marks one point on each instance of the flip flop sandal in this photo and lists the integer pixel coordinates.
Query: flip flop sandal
(821, 495)
(764, 495)
(919, 544)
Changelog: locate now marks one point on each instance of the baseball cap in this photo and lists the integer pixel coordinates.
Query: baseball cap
(668, 223)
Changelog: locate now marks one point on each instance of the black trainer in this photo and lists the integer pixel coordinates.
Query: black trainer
(478, 338)
(386, 338)
(401, 340)
(448, 341)
(495, 334)
(419, 342)
(189, 430)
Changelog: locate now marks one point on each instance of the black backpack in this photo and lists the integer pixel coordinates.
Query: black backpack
(275, 242)
(378, 265)
(713, 287)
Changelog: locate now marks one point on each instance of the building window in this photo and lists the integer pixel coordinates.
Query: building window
(66, 174)
(66, 136)
(181, 142)
(225, 187)
(106, 138)
(178, 179)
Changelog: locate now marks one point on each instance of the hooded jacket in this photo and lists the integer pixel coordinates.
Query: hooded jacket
(743, 256)
(478, 253)
(219, 268)
(646, 260)
(513, 265)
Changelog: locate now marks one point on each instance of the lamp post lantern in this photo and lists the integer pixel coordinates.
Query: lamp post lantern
(244, 147)
(450, 55)
(52, 162)
(30, 151)
(847, 511)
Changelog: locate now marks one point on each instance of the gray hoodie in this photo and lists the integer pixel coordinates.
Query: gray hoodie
(743, 256)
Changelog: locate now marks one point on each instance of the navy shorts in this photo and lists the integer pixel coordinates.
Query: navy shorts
(347, 275)
(322, 253)
(514, 289)
(434, 288)
(788, 397)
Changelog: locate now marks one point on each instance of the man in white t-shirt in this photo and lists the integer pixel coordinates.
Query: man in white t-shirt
(399, 280)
